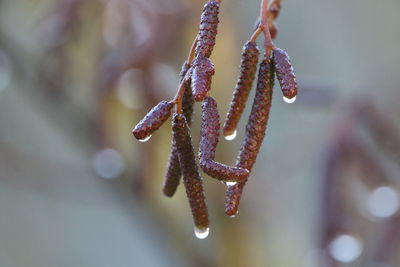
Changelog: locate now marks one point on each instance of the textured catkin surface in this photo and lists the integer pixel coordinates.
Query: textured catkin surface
(209, 136)
(153, 120)
(203, 70)
(255, 132)
(248, 67)
(208, 29)
(173, 174)
(191, 177)
(284, 72)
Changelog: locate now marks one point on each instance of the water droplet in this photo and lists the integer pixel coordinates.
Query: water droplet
(230, 183)
(383, 202)
(289, 100)
(232, 136)
(108, 163)
(145, 139)
(345, 248)
(234, 215)
(201, 233)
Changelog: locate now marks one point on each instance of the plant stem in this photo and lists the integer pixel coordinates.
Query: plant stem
(192, 52)
(268, 44)
(256, 33)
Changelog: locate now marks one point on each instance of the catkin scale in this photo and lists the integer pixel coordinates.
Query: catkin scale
(191, 177)
(209, 135)
(153, 120)
(208, 29)
(284, 72)
(248, 67)
(173, 174)
(255, 132)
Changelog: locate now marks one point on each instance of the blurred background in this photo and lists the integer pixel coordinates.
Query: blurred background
(76, 189)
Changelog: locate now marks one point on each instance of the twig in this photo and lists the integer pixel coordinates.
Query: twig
(268, 43)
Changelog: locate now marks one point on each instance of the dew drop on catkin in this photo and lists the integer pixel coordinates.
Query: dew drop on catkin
(145, 139)
(231, 137)
(201, 233)
(289, 100)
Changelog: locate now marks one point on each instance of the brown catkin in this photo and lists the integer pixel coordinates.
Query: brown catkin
(255, 132)
(209, 135)
(248, 67)
(208, 29)
(202, 67)
(203, 70)
(173, 174)
(191, 177)
(273, 30)
(153, 120)
(284, 72)
(274, 9)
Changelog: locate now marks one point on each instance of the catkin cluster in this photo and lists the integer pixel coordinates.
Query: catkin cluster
(195, 86)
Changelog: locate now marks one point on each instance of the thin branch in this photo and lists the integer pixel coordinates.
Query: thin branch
(268, 44)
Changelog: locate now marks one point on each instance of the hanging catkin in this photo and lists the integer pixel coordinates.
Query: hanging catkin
(209, 136)
(284, 72)
(191, 177)
(208, 29)
(248, 67)
(255, 131)
(173, 174)
(153, 120)
(203, 70)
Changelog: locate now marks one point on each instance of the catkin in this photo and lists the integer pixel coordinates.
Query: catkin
(173, 174)
(274, 9)
(203, 70)
(284, 72)
(248, 67)
(208, 29)
(153, 120)
(255, 132)
(208, 143)
(273, 30)
(191, 177)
